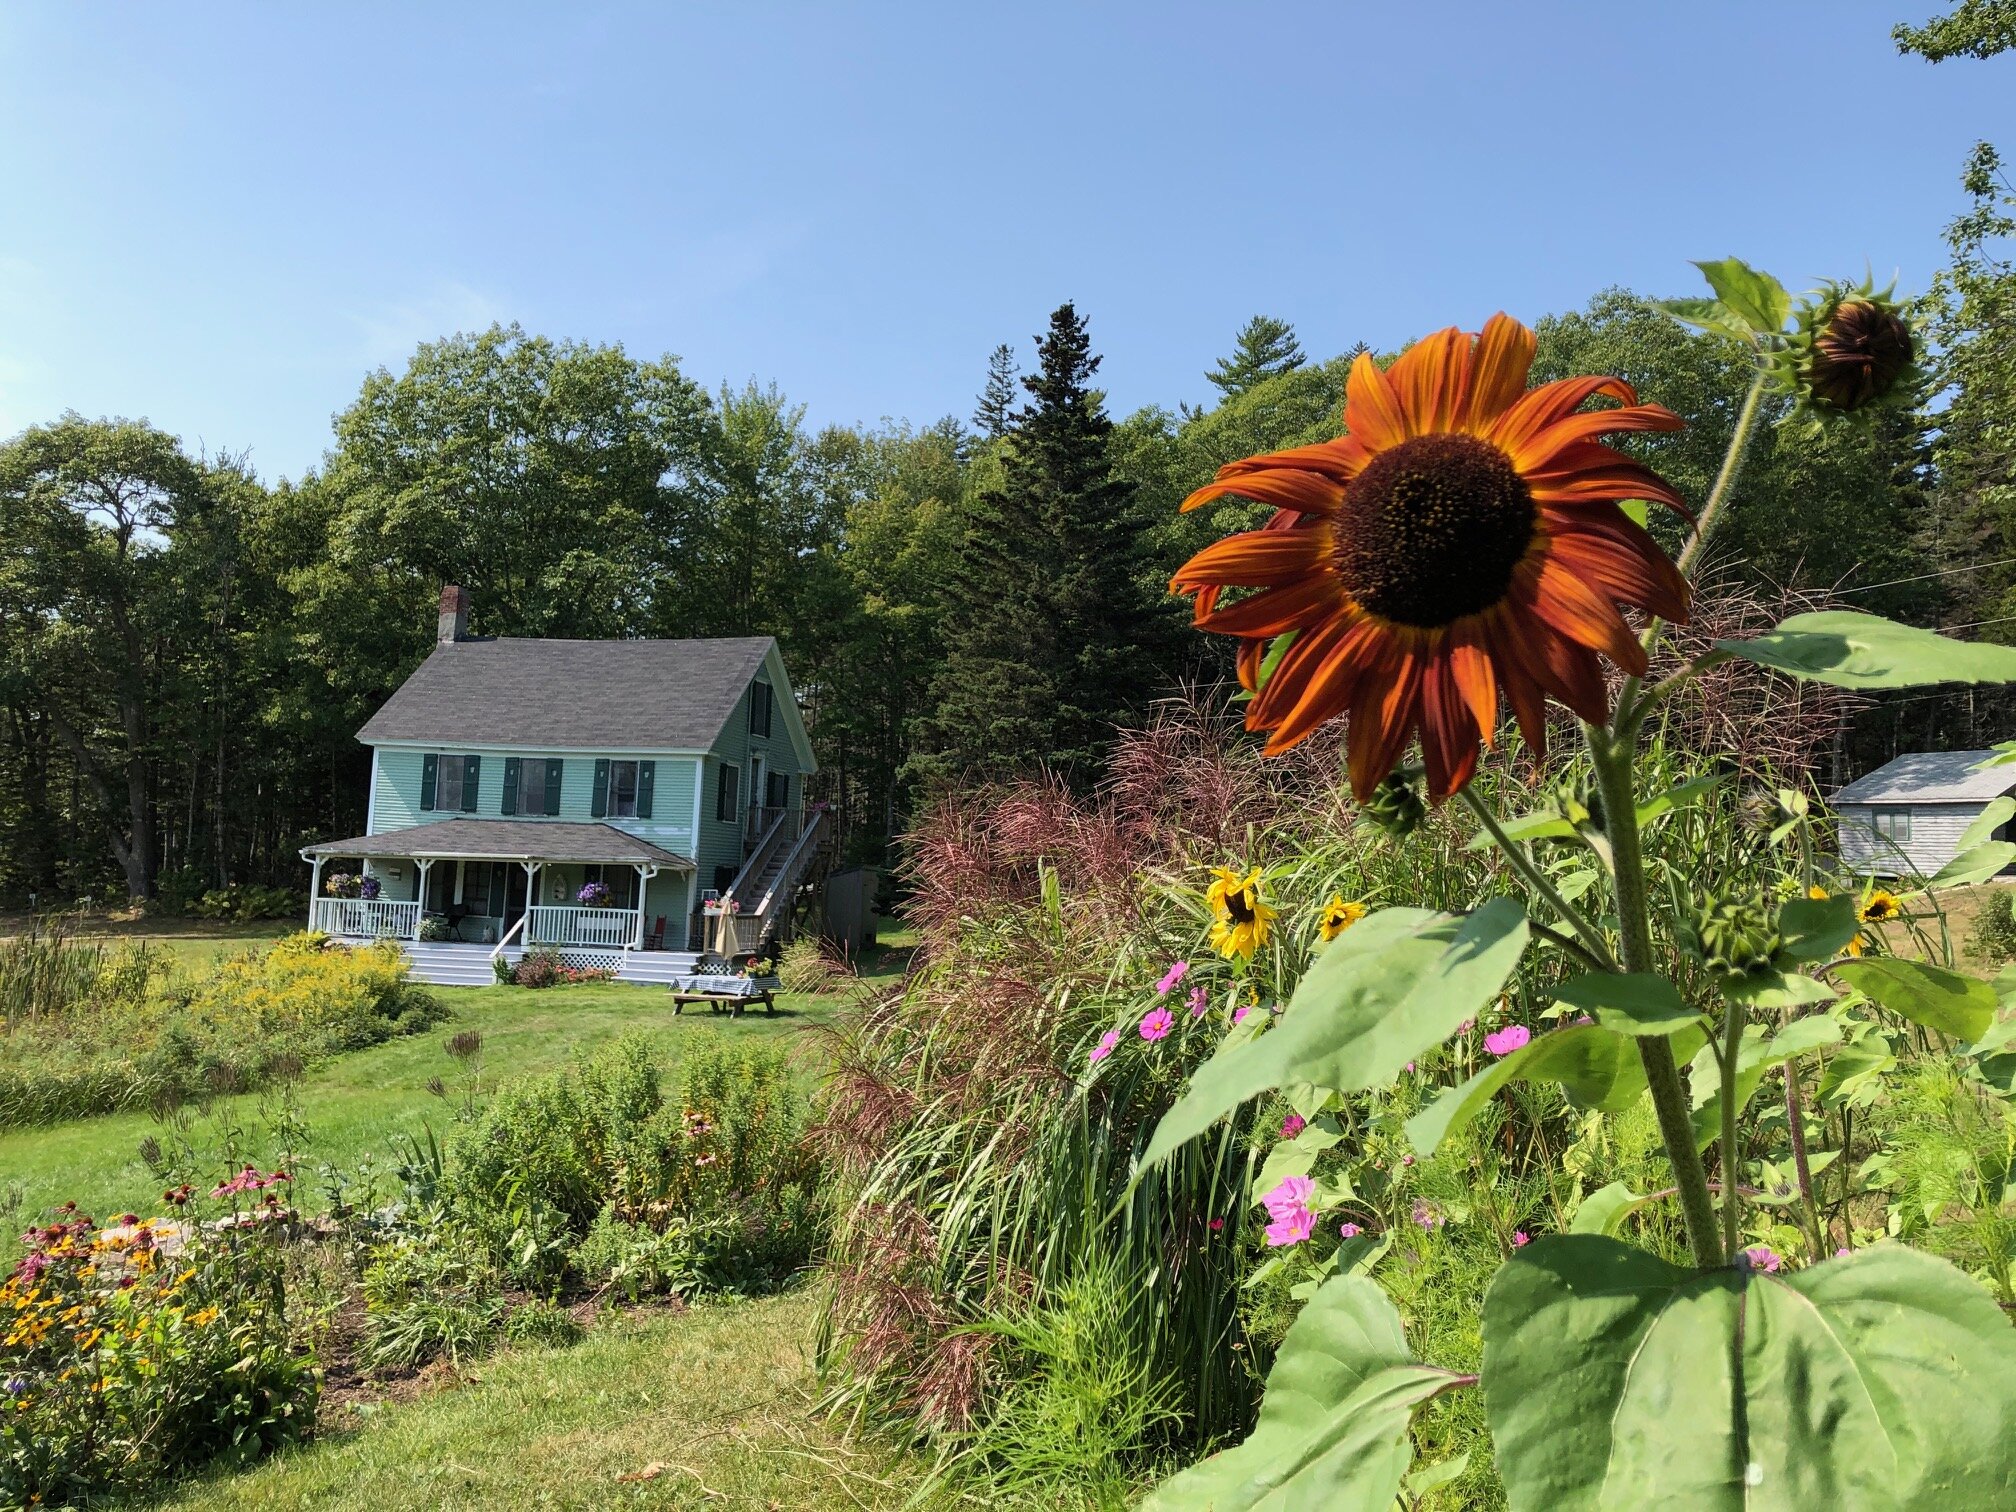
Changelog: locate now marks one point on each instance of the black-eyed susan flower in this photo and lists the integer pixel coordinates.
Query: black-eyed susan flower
(1241, 918)
(1338, 916)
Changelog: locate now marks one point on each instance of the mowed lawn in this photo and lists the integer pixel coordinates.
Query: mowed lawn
(712, 1408)
(357, 1106)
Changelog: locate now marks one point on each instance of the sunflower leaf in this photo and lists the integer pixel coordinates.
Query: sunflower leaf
(1977, 863)
(1996, 813)
(1599, 1069)
(1848, 649)
(1755, 298)
(1613, 1378)
(1757, 1056)
(1961, 1006)
(1333, 1424)
(1676, 798)
(1394, 985)
(1604, 1211)
(1817, 929)
(1633, 1003)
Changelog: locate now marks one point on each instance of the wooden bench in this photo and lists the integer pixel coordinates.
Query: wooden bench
(731, 1003)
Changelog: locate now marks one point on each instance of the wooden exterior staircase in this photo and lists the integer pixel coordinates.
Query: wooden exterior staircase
(758, 909)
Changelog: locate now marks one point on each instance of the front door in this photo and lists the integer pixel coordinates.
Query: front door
(514, 891)
(758, 821)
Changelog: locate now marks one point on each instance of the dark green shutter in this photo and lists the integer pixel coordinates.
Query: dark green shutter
(553, 767)
(512, 766)
(427, 777)
(647, 776)
(598, 802)
(470, 767)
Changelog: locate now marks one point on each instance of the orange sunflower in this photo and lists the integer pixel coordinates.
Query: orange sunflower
(1462, 540)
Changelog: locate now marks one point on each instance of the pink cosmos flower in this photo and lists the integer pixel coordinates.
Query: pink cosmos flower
(1198, 1002)
(1466, 1026)
(1292, 1125)
(1406, 1160)
(1842, 1253)
(1156, 1024)
(1520, 1239)
(1410, 1068)
(1291, 1227)
(1505, 1041)
(1348, 1230)
(1426, 1216)
(1293, 1192)
(1170, 978)
(1107, 1043)
(1762, 1257)
(1239, 1016)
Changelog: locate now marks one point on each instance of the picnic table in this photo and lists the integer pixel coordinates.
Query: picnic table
(725, 994)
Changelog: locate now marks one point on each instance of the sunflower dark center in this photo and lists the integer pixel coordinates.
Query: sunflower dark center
(1238, 909)
(1432, 528)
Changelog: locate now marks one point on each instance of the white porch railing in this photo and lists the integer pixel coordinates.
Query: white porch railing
(611, 928)
(367, 918)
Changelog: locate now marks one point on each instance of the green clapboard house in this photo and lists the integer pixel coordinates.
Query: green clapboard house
(633, 804)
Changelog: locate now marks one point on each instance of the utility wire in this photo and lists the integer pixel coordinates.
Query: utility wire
(1926, 577)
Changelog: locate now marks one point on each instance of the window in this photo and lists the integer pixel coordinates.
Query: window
(620, 880)
(1893, 825)
(726, 798)
(759, 708)
(623, 789)
(449, 783)
(532, 786)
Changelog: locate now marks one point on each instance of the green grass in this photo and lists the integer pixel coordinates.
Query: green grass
(718, 1399)
(356, 1104)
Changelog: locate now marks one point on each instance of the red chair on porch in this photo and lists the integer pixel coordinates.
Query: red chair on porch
(656, 939)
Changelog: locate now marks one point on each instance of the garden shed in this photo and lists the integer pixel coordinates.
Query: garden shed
(1909, 814)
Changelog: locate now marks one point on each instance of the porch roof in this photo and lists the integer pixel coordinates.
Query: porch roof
(508, 840)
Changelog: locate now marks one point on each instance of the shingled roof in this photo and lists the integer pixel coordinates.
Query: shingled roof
(1932, 777)
(508, 840)
(638, 695)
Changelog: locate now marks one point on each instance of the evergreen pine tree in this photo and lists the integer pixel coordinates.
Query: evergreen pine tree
(1266, 348)
(1055, 631)
(997, 399)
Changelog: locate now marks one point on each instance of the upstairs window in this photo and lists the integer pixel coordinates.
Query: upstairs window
(1893, 825)
(448, 783)
(532, 786)
(759, 708)
(623, 789)
(727, 799)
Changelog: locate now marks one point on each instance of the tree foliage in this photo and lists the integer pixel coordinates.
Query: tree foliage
(1265, 348)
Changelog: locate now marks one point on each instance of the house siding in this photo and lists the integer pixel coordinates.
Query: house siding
(720, 842)
(1936, 829)
(396, 793)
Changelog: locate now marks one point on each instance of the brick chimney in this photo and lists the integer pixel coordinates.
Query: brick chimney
(454, 622)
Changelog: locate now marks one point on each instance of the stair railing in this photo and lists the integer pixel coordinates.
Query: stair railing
(509, 935)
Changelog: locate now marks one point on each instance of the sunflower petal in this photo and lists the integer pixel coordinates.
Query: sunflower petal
(1372, 410)
(1342, 459)
(1476, 682)
(1431, 379)
(1622, 559)
(1564, 670)
(1497, 373)
(1384, 709)
(1564, 600)
(1539, 450)
(1449, 734)
(1534, 411)
(1252, 559)
(1294, 606)
(1283, 487)
(1528, 700)
(1313, 681)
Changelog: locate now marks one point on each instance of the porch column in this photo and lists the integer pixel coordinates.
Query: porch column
(644, 875)
(423, 864)
(531, 897)
(314, 887)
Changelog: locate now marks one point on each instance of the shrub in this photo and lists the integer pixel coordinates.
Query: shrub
(540, 1322)
(803, 966)
(246, 902)
(140, 1350)
(1992, 937)
(431, 1294)
(543, 966)
(723, 1169)
(636, 1261)
(134, 1039)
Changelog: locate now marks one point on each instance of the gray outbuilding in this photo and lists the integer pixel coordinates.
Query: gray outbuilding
(1908, 815)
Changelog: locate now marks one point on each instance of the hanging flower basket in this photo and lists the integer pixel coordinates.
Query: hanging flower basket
(594, 895)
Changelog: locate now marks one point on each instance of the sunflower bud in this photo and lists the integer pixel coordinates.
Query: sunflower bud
(1852, 350)
(1580, 804)
(1858, 357)
(1396, 807)
(1735, 938)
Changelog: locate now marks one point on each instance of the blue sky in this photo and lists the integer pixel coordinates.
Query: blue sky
(221, 217)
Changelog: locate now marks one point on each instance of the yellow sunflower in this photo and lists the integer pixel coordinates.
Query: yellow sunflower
(1879, 907)
(1339, 916)
(1241, 919)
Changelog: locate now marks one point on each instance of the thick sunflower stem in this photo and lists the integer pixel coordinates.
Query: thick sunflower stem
(1612, 765)
(1732, 1155)
(1725, 480)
